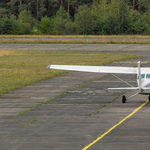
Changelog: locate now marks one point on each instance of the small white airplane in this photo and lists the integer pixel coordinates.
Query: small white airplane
(143, 76)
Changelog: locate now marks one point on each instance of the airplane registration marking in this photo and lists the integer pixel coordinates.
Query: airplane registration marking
(101, 136)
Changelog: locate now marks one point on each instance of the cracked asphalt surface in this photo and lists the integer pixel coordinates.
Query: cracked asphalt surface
(76, 115)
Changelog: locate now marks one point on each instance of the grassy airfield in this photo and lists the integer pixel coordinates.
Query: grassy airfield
(80, 39)
(19, 68)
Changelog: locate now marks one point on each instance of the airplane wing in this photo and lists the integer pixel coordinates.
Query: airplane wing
(97, 69)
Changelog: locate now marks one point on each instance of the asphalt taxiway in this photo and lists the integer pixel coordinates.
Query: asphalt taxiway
(80, 110)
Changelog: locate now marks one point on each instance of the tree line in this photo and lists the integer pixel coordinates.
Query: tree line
(96, 17)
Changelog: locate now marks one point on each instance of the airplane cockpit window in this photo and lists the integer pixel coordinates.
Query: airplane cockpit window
(143, 75)
(148, 76)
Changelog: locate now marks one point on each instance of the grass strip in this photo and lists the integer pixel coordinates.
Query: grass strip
(73, 36)
(76, 41)
(37, 119)
(83, 39)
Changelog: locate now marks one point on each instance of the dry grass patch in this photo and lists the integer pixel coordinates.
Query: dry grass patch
(6, 53)
(20, 68)
(74, 36)
(77, 41)
(88, 39)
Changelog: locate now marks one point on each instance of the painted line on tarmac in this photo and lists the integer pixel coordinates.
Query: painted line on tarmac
(100, 137)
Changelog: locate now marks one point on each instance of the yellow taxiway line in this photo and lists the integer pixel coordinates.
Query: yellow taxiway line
(100, 137)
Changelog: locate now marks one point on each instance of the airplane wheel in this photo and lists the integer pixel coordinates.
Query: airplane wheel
(123, 99)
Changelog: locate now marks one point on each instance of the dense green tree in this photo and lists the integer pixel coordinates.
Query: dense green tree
(3, 8)
(143, 5)
(13, 6)
(15, 29)
(5, 24)
(52, 6)
(110, 24)
(62, 17)
(24, 28)
(99, 13)
(119, 10)
(75, 17)
(2, 11)
(137, 22)
(84, 21)
(147, 31)
(26, 17)
(47, 25)
(36, 7)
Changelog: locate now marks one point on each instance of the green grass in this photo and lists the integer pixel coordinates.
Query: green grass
(20, 68)
(37, 119)
(6, 134)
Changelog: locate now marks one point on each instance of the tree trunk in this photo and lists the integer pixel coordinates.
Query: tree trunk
(133, 4)
(20, 2)
(62, 2)
(68, 5)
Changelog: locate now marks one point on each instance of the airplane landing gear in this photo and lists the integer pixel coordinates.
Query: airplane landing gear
(123, 99)
(149, 98)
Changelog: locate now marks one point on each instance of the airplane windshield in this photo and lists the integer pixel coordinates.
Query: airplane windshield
(143, 76)
(148, 76)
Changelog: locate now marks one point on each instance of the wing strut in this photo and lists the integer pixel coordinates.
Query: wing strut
(121, 80)
(133, 95)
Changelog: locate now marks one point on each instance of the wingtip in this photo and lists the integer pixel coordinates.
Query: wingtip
(49, 66)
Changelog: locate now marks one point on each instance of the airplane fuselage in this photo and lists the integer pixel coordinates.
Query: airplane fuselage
(145, 84)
